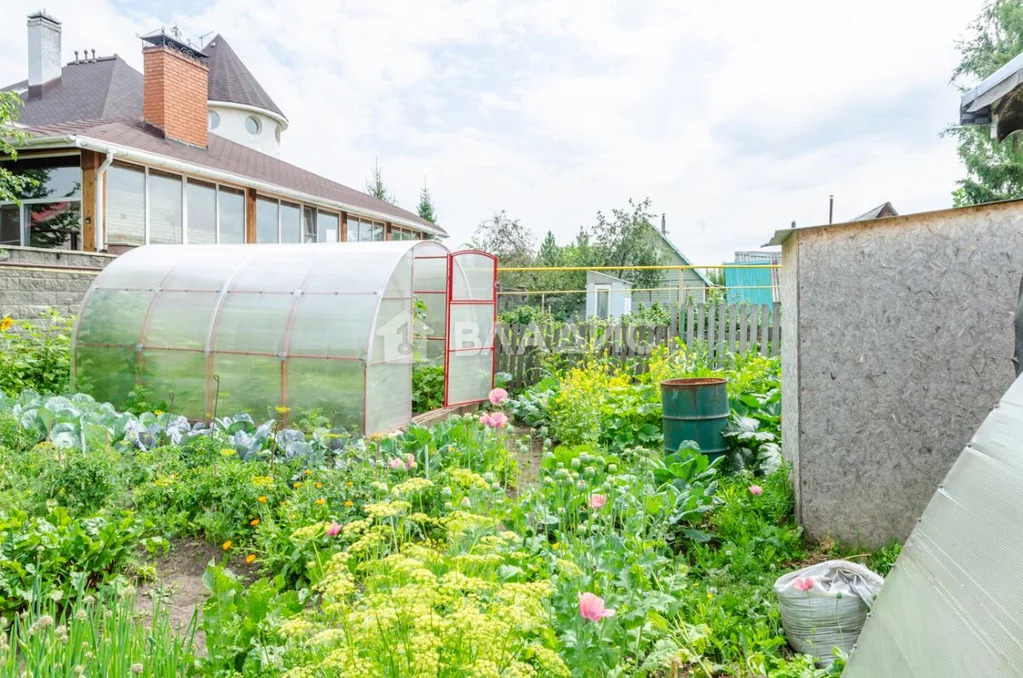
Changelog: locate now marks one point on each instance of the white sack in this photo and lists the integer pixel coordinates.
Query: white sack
(831, 613)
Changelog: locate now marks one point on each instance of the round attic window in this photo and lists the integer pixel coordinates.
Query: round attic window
(252, 124)
(214, 119)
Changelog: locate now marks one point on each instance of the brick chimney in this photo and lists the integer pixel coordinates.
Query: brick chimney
(174, 89)
(43, 52)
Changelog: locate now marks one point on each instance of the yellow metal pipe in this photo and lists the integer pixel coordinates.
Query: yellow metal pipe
(686, 267)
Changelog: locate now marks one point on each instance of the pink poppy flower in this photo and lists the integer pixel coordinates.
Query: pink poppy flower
(597, 501)
(803, 583)
(486, 420)
(499, 420)
(592, 607)
(498, 396)
(756, 490)
(333, 530)
(410, 462)
(396, 463)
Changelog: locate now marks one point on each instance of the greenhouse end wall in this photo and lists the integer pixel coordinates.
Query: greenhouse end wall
(217, 330)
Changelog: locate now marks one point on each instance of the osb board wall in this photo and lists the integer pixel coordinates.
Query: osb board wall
(901, 343)
(32, 279)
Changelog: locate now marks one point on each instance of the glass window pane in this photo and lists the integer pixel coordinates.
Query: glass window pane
(126, 205)
(55, 225)
(328, 226)
(202, 212)
(10, 225)
(365, 231)
(353, 229)
(378, 232)
(176, 379)
(49, 177)
(252, 323)
(232, 215)
(291, 226)
(308, 224)
(334, 387)
(388, 396)
(266, 220)
(250, 384)
(164, 208)
(332, 325)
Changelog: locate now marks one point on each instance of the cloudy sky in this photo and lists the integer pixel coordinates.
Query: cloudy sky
(735, 118)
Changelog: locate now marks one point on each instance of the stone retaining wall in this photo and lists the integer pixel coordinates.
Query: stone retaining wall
(33, 279)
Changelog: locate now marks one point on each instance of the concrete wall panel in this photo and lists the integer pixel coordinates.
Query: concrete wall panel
(899, 346)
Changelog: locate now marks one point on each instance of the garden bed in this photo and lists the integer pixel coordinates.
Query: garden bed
(569, 545)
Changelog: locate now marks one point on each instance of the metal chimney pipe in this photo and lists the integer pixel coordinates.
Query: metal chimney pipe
(831, 208)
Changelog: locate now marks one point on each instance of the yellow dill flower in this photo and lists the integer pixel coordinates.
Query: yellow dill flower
(321, 501)
(254, 522)
(251, 558)
(226, 545)
(261, 499)
(262, 481)
(282, 410)
(227, 452)
(158, 412)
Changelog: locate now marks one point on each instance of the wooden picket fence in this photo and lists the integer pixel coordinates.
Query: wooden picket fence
(719, 328)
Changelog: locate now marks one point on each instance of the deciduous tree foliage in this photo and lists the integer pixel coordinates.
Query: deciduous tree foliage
(625, 238)
(994, 171)
(11, 186)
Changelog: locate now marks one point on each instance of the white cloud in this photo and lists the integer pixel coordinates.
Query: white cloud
(734, 117)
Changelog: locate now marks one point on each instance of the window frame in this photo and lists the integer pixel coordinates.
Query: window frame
(24, 236)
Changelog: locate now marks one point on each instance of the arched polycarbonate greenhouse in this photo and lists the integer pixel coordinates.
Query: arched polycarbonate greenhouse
(215, 330)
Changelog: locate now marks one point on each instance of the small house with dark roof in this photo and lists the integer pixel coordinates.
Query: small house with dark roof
(188, 151)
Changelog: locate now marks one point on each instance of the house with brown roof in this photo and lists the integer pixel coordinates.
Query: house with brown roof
(188, 151)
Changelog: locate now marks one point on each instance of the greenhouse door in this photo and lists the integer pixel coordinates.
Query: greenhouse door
(472, 315)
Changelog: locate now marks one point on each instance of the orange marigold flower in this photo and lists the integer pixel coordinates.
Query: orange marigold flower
(321, 501)
(254, 522)
(249, 559)
(6, 323)
(226, 545)
(261, 499)
(296, 484)
(349, 503)
(319, 485)
(308, 472)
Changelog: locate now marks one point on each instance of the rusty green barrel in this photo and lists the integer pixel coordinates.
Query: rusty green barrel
(695, 409)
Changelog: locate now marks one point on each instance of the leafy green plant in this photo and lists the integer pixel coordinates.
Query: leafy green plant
(35, 354)
(100, 635)
(238, 621)
(427, 387)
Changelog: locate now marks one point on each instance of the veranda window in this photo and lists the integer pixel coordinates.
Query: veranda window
(51, 206)
(204, 328)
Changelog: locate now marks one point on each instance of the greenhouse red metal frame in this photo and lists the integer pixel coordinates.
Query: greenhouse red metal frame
(451, 301)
